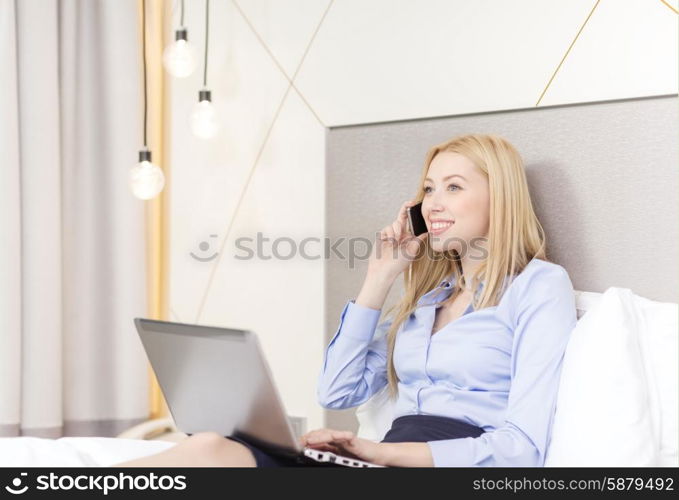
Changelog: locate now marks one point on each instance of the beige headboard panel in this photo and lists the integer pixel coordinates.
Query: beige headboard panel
(603, 178)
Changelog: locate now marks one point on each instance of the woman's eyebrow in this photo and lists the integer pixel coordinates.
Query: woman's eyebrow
(447, 177)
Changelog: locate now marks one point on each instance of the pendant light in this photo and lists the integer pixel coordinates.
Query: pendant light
(204, 123)
(180, 57)
(146, 179)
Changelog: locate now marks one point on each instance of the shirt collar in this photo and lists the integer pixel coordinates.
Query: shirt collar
(449, 281)
(445, 287)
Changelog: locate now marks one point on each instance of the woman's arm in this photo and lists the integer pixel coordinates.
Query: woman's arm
(355, 361)
(375, 289)
(406, 455)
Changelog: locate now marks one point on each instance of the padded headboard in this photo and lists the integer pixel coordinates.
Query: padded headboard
(603, 179)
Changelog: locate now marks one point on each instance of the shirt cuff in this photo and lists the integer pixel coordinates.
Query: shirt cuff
(453, 452)
(358, 322)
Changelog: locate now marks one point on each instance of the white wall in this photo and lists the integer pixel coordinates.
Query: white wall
(370, 61)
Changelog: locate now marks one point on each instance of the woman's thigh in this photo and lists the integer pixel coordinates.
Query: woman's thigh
(209, 449)
(198, 450)
(264, 459)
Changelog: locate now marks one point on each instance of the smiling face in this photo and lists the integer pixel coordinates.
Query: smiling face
(456, 203)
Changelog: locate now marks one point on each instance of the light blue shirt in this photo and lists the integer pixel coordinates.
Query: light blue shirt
(497, 368)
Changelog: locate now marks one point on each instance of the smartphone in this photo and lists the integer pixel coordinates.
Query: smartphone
(416, 221)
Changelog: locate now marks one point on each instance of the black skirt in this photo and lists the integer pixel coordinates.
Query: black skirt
(408, 428)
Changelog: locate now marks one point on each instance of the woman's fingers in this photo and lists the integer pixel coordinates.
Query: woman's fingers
(403, 211)
(332, 440)
(325, 436)
(342, 435)
(326, 447)
(398, 229)
(318, 436)
(388, 235)
(402, 219)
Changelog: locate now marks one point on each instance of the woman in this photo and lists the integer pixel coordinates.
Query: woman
(472, 352)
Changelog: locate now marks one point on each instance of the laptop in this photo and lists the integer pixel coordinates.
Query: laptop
(217, 379)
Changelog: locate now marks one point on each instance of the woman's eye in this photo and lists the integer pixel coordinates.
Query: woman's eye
(428, 189)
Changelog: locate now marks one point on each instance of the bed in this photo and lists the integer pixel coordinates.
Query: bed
(624, 343)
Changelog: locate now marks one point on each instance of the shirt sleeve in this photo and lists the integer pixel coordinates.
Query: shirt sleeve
(355, 361)
(545, 317)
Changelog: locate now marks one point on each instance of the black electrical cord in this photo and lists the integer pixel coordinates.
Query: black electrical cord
(143, 23)
(207, 25)
(181, 23)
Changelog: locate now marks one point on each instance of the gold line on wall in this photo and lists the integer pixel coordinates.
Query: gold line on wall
(157, 236)
(241, 197)
(675, 10)
(567, 52)
(273, 58)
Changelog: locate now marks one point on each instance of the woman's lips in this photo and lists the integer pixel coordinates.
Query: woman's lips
(442, 227)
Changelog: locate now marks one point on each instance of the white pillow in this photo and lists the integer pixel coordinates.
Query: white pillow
(610, 408)
(661, 345)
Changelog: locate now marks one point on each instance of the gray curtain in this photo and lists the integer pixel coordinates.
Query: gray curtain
(72, 258)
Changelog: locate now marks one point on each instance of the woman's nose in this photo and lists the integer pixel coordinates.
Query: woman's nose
(431, 210)
(435, 207)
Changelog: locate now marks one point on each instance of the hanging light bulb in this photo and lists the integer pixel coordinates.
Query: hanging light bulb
(179, 57)
(146, 179)
(204, 123)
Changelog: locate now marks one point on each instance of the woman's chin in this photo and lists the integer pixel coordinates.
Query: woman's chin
(441, 246)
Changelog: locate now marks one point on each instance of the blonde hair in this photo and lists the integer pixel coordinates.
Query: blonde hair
(515, 235)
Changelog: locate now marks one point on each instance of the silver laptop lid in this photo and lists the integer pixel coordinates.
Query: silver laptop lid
(216, 379)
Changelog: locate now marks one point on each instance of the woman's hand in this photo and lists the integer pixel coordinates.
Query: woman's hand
(344, 443)
(395, 247)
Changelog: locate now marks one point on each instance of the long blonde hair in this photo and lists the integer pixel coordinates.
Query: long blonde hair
(515, 235)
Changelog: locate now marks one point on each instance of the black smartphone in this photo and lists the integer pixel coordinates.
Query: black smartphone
(416, 221)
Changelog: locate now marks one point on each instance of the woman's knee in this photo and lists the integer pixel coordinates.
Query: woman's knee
(207, 439)
(220, 449)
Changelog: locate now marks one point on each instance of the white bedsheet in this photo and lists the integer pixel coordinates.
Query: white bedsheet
(74, 451)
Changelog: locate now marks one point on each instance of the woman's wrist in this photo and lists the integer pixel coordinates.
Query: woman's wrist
(405, 455)
(375, 289)
(386, 454)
